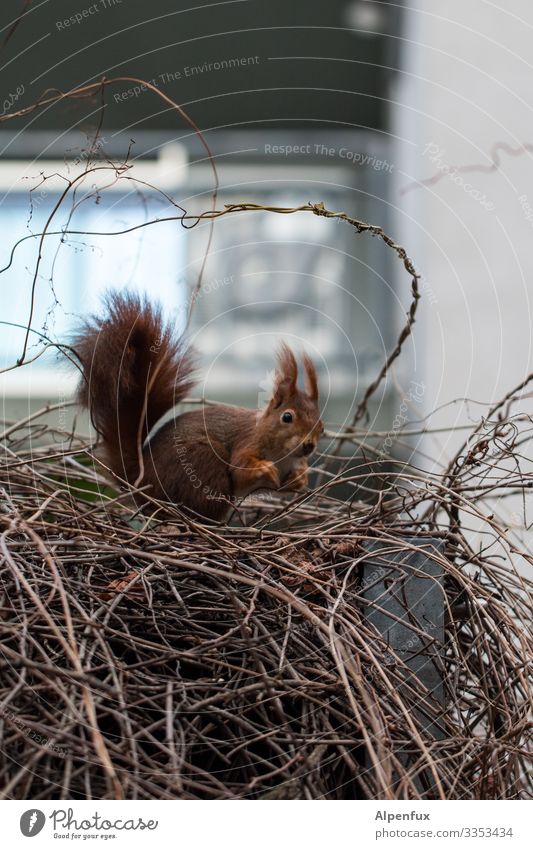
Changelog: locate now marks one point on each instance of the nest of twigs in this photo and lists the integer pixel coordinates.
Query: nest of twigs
(163, 658)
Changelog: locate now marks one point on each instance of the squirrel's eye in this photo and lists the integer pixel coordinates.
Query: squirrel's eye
(287, 417)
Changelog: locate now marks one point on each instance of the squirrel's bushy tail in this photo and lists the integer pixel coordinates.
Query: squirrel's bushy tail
(135, 368)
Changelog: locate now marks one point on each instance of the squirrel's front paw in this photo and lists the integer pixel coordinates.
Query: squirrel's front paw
(255, 474)
(267, 474)
(296, 480)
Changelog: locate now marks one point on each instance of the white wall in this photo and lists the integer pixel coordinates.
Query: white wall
(467, 84)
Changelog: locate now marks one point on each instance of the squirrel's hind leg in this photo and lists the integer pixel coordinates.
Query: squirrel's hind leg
(193, 474)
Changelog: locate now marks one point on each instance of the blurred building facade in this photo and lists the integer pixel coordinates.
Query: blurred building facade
(293, 100)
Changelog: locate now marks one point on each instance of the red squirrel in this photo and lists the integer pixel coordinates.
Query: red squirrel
(135, 368)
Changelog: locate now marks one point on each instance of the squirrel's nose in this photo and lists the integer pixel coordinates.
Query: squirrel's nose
(308, 447)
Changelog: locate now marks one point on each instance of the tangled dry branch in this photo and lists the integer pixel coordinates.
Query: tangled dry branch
(162, 658)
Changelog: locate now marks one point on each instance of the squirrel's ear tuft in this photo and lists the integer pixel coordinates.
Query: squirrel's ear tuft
(286, 375)
(311, 379)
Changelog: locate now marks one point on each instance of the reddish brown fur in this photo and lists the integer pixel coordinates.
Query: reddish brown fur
(311, 379)
(135, 370)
